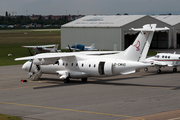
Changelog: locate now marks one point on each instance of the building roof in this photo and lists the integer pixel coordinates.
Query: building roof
(169, 19)
(104, 21)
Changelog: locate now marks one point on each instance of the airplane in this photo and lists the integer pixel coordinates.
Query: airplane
(82, 47)
(42, 48)
(164, 59)
(81, 65)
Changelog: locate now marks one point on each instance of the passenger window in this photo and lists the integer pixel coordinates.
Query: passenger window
(66, 64)
(82, 65)
(76, 64)
(94, 65)
(168, 56)
(157, 56)
(179, 57)
(89, 65)
(163, 56)
(63, 64)
(72, 64)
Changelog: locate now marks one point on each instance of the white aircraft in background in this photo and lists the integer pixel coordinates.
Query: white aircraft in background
(163, 60)
(43, 48)
(83, 47)
(82, 65)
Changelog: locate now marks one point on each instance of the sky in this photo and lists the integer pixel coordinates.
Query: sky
(89, 7)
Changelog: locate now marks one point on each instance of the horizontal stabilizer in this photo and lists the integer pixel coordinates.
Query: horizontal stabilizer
(150, 27)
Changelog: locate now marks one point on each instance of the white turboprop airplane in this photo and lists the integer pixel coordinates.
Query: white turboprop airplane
(163, 60)
(43, 48)
(82, 65)
(82, 47)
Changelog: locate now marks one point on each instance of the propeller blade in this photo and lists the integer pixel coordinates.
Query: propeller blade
(69, 48)
(30, 73)
(30, 52)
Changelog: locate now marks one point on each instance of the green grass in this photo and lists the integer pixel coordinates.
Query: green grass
(7, 117)
(11, 42)
(151, 53)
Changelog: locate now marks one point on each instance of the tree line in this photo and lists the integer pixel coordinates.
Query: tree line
(25, 20)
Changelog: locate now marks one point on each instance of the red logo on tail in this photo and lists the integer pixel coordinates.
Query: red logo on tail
(137, 45)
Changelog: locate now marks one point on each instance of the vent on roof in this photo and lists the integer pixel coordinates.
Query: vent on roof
(94, 19)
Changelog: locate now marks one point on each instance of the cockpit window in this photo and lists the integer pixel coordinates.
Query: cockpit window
(157, 56)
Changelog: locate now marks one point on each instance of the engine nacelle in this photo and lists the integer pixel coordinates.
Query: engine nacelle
(108, 70)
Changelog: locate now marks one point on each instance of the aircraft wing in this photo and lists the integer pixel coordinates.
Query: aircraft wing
(160, 63)
(99, 52)
(39, 46)
(46, 56)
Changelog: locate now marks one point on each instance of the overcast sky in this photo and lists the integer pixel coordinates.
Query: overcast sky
(89, 7)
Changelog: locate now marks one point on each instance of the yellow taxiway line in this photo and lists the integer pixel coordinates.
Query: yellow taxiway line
(90, 112)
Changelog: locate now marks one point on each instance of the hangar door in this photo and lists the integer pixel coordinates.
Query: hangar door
(160, 40)
(129, 39)
(178, 40)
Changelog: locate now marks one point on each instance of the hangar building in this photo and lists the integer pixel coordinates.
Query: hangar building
(174, 22)
(111, 32)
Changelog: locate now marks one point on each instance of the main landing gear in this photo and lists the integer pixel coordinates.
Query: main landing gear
(175, 69)
(159, 71)
(67, 80)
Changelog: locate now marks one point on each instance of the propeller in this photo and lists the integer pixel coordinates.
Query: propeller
(30, 73)
(69, 48)
(30, 52)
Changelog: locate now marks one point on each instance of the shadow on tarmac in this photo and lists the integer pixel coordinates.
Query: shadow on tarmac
(105, 81)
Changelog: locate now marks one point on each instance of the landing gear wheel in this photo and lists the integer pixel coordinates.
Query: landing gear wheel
(174, 69)
(146, 69)
(84, 79)
(159, 71)
(66, 80)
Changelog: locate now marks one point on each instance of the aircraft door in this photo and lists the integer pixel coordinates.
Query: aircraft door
(101, 68)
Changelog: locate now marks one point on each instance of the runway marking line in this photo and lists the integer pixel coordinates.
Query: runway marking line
(175, 118)
(98, 113)
(25, 87)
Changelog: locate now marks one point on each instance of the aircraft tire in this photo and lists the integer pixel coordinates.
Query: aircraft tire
(146, 69)
(174, 69)
(84, 79)
(159, 71)
(66, 80)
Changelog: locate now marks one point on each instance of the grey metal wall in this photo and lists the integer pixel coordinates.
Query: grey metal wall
(104, 38)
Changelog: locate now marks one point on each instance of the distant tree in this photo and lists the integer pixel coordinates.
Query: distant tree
(126, 14)
(6, 14)
(118, 14)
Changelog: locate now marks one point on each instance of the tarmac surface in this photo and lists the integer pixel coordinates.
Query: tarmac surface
(139, 96)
